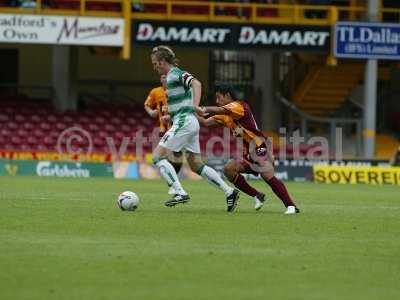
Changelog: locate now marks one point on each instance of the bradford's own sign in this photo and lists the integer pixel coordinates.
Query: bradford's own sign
(41, 29)
(278, 37)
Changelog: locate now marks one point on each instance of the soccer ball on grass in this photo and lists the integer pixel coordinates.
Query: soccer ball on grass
(128, 201)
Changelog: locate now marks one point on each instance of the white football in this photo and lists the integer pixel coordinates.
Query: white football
(128, 201)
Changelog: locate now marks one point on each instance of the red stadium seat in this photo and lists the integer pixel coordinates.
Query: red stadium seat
(51, 119)
(28, 126)
(65, 4)
(5, 132)
(54, 133)
(3, 139)
(116, 121)
(109, 128)
(98, 142)
(41, 147)
(39, 127)
(12, 125)
(16, 140)
(102, 134)
(47, 140)
(24, 147)
(100, 120)
(155, 8)
(36, 118)
(4, 118)
(19, 118)
(68, 119)
(131, 122)
(22, 132)
(113, 6)
(31, 140)
(93, 127)
(37, 132)
(95, 6)
(83, 120)
(126, 128)
(9, 110)
(8, 147)
(61, 126)
(45, 126)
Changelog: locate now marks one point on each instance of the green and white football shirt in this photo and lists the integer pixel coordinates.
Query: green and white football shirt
(180, 93)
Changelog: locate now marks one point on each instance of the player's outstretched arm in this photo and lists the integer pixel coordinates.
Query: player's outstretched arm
(196, 86)
(151, 112)
(214, 110)
(209, 122)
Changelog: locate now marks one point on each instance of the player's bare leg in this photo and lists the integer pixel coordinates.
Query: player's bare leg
(197, 165)
(167, 171)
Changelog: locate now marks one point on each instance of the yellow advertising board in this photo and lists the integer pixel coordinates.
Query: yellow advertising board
(356, 174)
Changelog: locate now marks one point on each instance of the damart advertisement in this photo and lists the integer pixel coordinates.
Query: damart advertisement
(277, 37)
(62, 30)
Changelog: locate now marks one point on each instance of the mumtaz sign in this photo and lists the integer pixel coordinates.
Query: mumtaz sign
(61, 30)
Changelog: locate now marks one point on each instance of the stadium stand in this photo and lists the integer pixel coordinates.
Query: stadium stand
(325, 89)
(386, 146)
(35, 126)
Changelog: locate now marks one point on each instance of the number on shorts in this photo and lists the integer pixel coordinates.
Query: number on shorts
(165, 138)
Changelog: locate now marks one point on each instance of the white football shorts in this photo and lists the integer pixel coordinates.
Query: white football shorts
(183, 135)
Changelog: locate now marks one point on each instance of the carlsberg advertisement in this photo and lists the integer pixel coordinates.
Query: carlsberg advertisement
(55, 169)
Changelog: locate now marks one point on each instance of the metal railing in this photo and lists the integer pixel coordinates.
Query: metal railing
(111, 90)
(253, 12)
(208, 11)
(45, 90)
(305, 119)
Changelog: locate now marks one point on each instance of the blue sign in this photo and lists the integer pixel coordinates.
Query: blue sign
(367, 40)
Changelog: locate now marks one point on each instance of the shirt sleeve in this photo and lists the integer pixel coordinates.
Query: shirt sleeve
(222, 119)
(187, 80)
(234, 109)
(151, 100)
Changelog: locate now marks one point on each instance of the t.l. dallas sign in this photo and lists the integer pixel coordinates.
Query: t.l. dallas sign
(34, 29)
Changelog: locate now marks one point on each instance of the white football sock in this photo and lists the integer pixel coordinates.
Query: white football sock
(212, 176)
(167, 171)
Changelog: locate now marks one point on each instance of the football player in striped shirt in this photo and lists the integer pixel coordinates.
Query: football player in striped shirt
(257, 155)
(183, 94)
(156, 107)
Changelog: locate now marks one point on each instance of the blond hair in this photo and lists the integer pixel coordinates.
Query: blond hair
(166, 53)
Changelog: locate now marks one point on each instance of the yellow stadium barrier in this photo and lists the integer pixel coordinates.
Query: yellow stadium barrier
(204, 11)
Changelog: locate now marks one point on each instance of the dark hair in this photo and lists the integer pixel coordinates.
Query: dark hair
(226, 89)
(166, 53)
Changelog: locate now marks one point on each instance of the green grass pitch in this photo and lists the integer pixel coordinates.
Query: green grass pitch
(66, 239)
